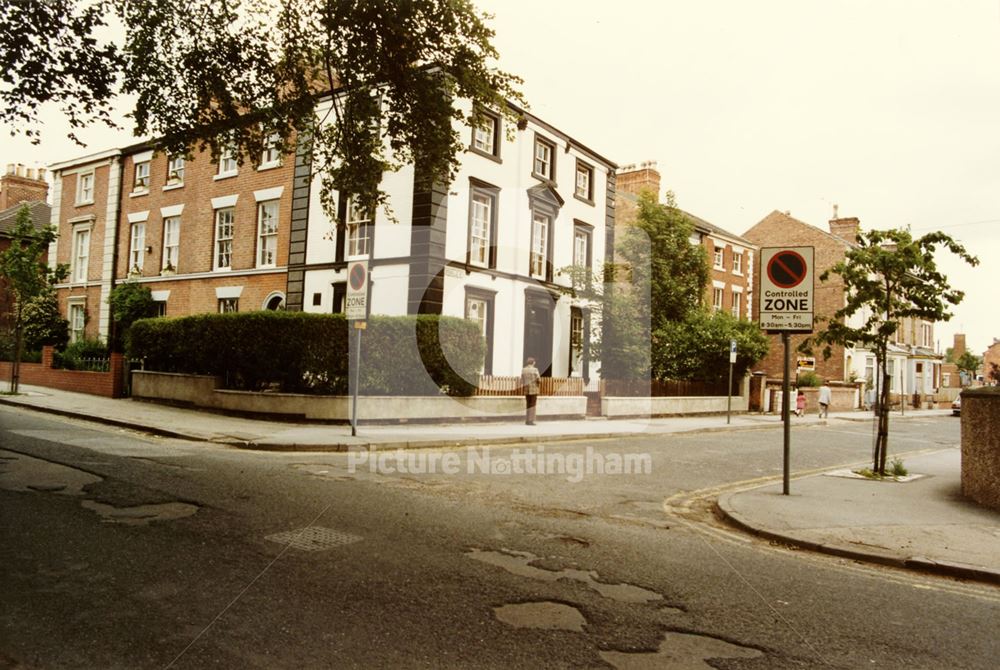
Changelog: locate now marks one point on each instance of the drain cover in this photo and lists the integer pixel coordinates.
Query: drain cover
(314, 538)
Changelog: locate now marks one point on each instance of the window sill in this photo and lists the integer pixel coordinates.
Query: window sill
(171, 187)
(225, 175)
(485, 154)
(582, 199)
(268, 166)
(136, 194)
(83, 203)
(226, 269)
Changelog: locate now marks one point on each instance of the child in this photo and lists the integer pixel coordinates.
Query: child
(800, 404)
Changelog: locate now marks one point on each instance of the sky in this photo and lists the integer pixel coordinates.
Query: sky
(889, 109)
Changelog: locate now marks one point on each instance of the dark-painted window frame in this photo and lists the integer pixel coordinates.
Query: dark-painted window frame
(551, 177)
(477, 187)
(582, 165)
(494, 153)
(551, 215)
(489, 297)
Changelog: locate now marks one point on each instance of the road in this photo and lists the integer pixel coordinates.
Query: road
(121, 550)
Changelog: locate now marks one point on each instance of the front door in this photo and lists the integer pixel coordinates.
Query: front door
(538, 312)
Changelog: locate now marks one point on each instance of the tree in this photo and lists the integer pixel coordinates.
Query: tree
(129, 301)
(659, 278)
(698, 347)
(889, 276)
(28, 276)
(232, 74)
(657, 248)
(969, 363)
(44, 325)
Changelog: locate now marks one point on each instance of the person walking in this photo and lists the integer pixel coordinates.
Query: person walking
(825, 396)
(800, 404)
(529, 382)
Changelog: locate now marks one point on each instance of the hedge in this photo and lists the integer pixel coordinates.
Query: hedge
(297, 352)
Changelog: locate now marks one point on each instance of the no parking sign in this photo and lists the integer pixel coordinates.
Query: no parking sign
(785, 299)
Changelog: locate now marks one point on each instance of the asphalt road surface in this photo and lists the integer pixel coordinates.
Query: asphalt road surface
(121, 550)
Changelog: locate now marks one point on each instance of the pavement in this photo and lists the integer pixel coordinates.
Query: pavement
(923, 524)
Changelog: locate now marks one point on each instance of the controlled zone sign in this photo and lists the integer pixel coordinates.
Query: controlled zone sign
(786, 295)
(356, 308)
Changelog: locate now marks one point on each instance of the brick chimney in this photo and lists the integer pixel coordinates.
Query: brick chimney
(637, 178)
(959, 347)
(845, 228)
(20, 184)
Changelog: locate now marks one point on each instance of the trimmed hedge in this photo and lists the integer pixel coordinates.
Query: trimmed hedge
(299, 352)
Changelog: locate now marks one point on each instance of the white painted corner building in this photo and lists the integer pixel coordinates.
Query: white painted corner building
(527, 202)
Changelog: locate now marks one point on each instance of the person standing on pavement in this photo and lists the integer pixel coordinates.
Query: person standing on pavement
(529, 381)
(800, 403)
(825, 396)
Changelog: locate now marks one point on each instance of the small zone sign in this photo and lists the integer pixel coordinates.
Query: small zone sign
(786, 295)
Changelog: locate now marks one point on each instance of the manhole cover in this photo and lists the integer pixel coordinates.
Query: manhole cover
(314, 538)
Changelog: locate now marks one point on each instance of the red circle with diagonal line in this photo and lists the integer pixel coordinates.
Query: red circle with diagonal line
(357, 277)
(786, 269)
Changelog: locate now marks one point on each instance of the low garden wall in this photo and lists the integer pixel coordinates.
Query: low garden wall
(843, 397)
(203, 391)
(618, 407)
(108, 384)
(981, 445)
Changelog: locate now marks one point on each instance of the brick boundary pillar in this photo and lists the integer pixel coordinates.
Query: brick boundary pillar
(117, 370)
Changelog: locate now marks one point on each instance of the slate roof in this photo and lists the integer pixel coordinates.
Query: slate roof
(41, 215)
(713, 229)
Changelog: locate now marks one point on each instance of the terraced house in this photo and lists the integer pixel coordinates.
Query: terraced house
(226, 235)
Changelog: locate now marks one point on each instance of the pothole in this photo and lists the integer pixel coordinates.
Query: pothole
(680, 651)
(545, 615)
(25, 473)
(140, 515)
(523, 564)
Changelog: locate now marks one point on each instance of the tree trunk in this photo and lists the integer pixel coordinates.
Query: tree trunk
(882, 439)
(15, 366)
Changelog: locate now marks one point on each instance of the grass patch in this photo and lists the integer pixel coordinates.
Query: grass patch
(893, 470)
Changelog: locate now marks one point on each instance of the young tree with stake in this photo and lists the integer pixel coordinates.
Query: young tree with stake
(889, 276)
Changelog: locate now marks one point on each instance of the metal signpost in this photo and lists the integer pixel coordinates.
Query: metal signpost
(785, 305)
(729, 391)
(356, 309)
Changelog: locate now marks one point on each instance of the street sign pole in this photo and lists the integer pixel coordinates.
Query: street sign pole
(786, 305)
(786, 415)
(356, 308)
(356, 377)
(729, 389)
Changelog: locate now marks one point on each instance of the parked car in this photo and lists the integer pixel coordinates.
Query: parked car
(956, 406)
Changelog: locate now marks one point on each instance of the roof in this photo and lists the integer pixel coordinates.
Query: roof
(41, 215)
(770, 218)
(712, 229)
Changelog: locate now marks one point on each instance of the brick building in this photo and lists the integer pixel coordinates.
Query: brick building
(19, 186)
(204, 235)
(731, 258)
(990, 357)
(913, 365)
(781, 229)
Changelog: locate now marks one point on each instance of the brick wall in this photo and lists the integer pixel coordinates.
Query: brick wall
(107, 384)
(991, 355)
(69, 210)
(779, 229)
(197, 232)
(20, 185)
(196, 294)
